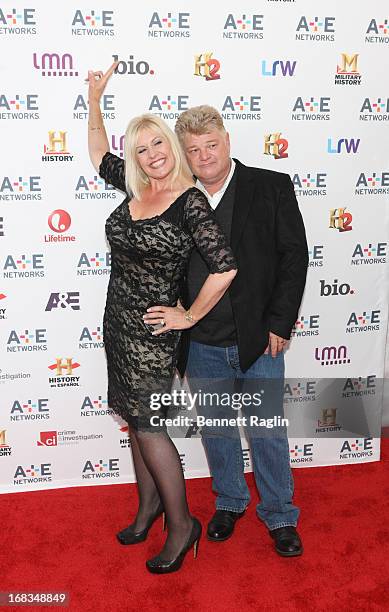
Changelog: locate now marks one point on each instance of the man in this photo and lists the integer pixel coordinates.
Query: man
(243, 337)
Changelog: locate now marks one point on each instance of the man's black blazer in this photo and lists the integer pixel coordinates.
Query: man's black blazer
(270, 247)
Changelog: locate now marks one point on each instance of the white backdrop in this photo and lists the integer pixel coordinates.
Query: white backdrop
(277, 64)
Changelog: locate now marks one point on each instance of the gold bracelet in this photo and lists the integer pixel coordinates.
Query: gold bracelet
(189, 316)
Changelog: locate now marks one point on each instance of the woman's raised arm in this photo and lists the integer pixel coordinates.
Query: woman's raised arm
(98, 143)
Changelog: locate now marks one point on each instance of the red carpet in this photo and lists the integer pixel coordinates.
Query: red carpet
(64, 540)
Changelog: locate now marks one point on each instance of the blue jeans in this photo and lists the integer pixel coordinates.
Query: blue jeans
(270, 452)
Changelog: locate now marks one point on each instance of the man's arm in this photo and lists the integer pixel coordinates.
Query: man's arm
(292, 263)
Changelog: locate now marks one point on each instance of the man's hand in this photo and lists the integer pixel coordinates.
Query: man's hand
(276, 344)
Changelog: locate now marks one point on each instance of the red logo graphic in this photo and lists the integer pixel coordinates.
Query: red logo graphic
(2, 296)
(47, 438)
(59, 221)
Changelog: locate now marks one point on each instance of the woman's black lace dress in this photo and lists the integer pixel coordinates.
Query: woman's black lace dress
(149, 259)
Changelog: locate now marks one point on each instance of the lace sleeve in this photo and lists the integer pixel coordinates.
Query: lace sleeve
(207, 234)
(112, 171)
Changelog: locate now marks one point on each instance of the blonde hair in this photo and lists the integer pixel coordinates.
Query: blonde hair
(136, 179)
(198, 120)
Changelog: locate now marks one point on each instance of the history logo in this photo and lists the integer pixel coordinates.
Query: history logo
(3, 310)
(327, 422)
(63, 370)
(56, 149)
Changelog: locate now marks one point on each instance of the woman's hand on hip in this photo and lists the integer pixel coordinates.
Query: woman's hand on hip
(172, 317)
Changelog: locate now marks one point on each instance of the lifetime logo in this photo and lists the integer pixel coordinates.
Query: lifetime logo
(278, 68)
(332, 355)
(207, 66)
(276, 146)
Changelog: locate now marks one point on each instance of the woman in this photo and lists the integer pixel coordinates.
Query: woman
(151, 235)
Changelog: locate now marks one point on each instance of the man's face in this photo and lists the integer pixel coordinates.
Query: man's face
(208, 155)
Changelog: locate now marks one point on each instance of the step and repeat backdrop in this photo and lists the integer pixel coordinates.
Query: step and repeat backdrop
(301, 88)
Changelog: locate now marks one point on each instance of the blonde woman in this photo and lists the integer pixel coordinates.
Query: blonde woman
(151, 234)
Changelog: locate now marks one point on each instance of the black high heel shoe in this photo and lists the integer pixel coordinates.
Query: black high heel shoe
(129, 536)
(157, 565)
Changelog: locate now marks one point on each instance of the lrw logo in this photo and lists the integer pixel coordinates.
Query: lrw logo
(278, 68)
(349, 145)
